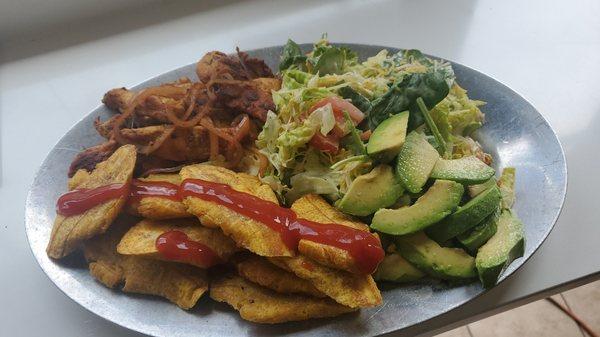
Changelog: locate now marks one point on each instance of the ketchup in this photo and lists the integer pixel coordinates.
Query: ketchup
(80, 200)
(161, 189)
(363, 246)
(175, 245)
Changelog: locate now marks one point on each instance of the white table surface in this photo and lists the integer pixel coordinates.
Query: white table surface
(546, 50)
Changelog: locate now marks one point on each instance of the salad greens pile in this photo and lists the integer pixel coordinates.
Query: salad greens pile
(381, 86)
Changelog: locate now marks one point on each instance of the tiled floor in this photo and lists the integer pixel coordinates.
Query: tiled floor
(540, 318)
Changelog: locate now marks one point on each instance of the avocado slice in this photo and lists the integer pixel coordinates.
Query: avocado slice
(467, 216)
(481, 233)
(506, 183)
(388, 137)
(466, 170)
(505, 246)
(475, 190)
(441, 199)
(415, 161)
(395, 268)
(437, 261)
(370, 192)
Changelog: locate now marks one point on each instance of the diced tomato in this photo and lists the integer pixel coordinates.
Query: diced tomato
(339, 105)
(365, 135)
(329, 143)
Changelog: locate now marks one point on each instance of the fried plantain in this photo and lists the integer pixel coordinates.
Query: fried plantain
(352, 290)
(248, 233)
(156, 207)
(261, 305)
(315, 208)
(259, 270)
(179, 283)
(140, 240)
(69, 231)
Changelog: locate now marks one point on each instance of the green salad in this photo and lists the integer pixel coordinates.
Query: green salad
(389, 139)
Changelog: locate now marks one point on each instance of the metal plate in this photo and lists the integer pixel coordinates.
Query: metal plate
(514, 133)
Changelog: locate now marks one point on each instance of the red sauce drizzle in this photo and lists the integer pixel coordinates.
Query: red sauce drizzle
(160, 189)
(175, 245)
(80, 200)
(363, 246)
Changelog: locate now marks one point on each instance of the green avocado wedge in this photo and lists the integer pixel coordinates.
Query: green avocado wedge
(481, 233)
(467, 216)
(395, 268)
(506, 183)
(441, 199)
(415, 161)
(370, 192)
(466, 170)
(436, 261)
(504, 247)
(387, 138)
(475, 190)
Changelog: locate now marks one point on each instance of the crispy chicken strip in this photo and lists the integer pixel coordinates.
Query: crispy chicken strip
(222, 66)
(69, 231)
(261, 305)
(140, 240)
(251, 97)
(315, 208)
(90, 157)
(179, 283)
(248, 233)
(259, 270)
(352, 290)
(158, 208)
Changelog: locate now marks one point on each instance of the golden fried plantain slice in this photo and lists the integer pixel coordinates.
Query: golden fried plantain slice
(69, 231)
(78, 178)
(259, 270)
(352, 290)
(179, 283)
(261, 305)
(315, 208)
(248, 233)
(161, 208)
(140, 240)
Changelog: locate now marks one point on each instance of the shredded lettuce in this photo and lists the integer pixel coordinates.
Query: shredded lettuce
(330, 70)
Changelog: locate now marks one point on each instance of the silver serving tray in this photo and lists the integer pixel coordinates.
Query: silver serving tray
(515, 133)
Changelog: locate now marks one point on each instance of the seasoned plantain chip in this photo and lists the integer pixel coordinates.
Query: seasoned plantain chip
(248, 233)
(69, 231)
(259, 270)
(78, 178)
(261, 305)
(315, 208)
(140, 240)
(352, 290)
(157, 207)
(179, 283)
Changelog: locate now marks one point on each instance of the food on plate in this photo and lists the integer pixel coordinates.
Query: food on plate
(352, 290)
(262, 305)
(259, 270)
(289, 194)
(314, 208)
(156, 207)
(172, 240)
(247, 232)
(179, 283)
(78, 221)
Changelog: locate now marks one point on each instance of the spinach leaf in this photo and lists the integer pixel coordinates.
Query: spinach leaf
(358, 100)
(331, 61)
(292, 54)
(412, 55)
(352, 140)
(431, 86)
